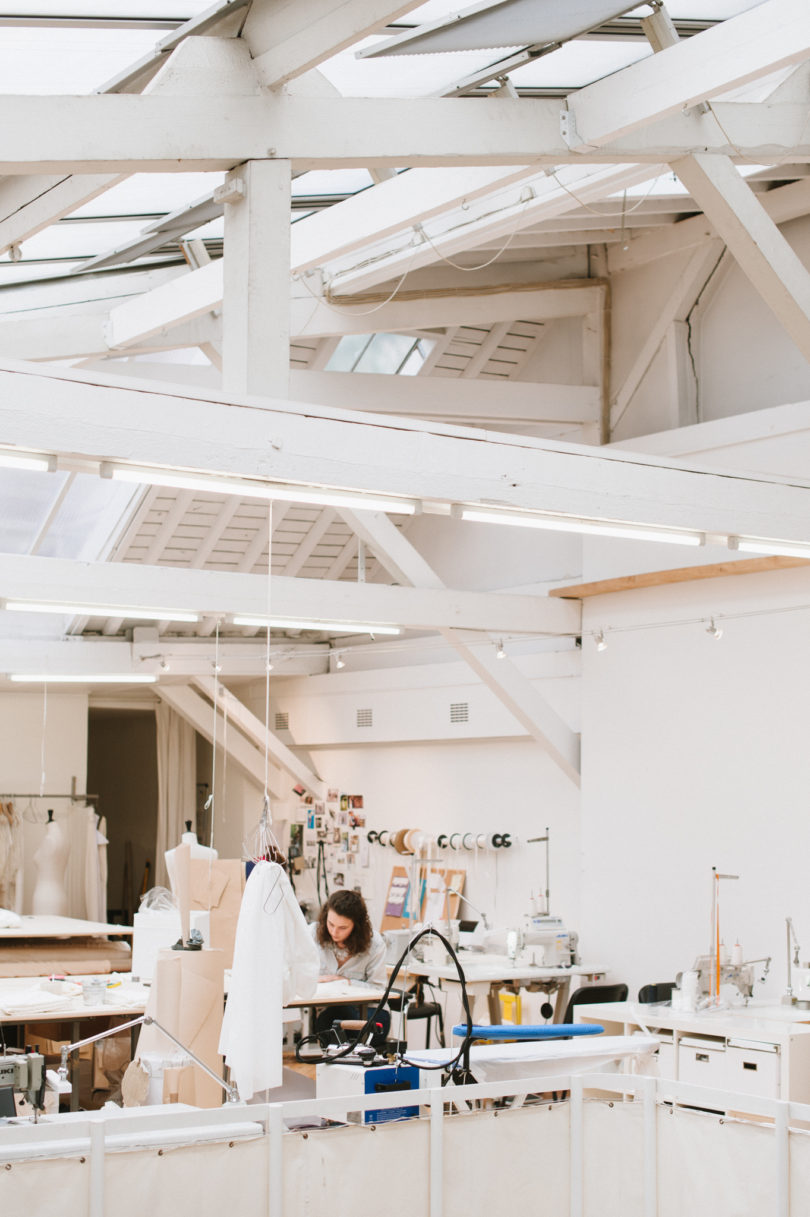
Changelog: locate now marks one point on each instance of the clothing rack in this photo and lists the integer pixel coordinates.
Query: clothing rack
(72, 795)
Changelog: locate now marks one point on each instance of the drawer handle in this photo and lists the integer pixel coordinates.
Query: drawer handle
(749, 1065)
(702, 1056)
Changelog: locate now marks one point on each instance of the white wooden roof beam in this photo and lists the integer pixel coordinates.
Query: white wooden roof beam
(87, 416)
(448, 398)
(224, 593)
(758, 246)
(771, 35)
(508, 684)
(289, 37)
(260, 735)
(240, 751)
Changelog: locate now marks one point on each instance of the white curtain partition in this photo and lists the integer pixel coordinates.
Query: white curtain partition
(636, 1147)
(177, 779)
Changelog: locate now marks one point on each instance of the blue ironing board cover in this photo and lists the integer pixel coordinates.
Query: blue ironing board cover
(528, 1031)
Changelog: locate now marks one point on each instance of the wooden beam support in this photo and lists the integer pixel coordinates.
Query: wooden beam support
(682, 574)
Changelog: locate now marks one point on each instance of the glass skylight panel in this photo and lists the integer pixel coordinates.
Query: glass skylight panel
(91, 508)
(151, 194)
(331, 181)
(407, 76)
(181, 9)
(25, 501)
(54, 60)
(579, 63)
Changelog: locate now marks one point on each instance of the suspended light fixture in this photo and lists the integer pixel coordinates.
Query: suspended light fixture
(762, 545)
(322, 496)
(600, 640)
(579, 524)
(99, 610)
(500, 653)
(40, 461)
(714, 629)
(83, 678)
(333, 627)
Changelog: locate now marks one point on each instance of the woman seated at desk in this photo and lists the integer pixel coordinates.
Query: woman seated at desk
(349, 949)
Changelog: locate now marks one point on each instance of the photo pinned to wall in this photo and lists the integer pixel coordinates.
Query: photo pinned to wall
(344, 802)
(357, 819)
(338, 878)
(311, 819)
(355, 801)
(343, 819)
(336, 836)
(319, 809)
(354, 842)
(344, 841)
(332, 796)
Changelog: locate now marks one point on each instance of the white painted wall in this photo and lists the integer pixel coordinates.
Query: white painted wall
(695, 755)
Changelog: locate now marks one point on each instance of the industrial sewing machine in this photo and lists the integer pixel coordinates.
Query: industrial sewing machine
(25, 1072)
(741, 975)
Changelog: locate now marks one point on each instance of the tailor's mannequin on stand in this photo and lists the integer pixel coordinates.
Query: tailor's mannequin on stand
(50, 861)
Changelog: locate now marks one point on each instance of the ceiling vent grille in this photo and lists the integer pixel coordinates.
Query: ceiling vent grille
(365, 718)
(282, 721)
(459, 711)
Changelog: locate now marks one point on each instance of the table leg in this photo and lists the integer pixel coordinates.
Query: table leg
(561, 1002)
(74, 1067)
(494, 1000)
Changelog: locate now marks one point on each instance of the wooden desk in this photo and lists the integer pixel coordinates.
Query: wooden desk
(486, 975)
(339, 993)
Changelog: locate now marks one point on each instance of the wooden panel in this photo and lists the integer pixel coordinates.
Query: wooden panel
(682, 574)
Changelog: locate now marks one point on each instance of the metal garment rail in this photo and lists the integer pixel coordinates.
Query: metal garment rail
(98, 1137)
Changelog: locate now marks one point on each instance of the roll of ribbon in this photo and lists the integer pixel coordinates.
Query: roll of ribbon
(491, 840)
(372, 836)
(468, 840)
(497, 840)
(455, 840)
(481, 840)
(506, 840)
(399, 841)
(441, 841)
(383, 836)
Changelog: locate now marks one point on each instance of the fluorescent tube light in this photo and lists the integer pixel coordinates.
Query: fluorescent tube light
(784, 549)
(320, 496)
(27, 460)
(334, 627)
(599, 528)
(99, 610)
(86, 678)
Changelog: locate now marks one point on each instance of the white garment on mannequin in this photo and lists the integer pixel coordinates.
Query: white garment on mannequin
(50, 861)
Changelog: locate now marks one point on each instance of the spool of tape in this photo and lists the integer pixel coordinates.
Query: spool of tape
(372, 836)
(506, 840)
(455, 840)
(383, 836)
(399, 842)
(497, 840)
(441, 841)
(481, 840)
(468, 841)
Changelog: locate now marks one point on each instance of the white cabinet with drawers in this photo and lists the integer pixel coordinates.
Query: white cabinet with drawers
(756, 1049)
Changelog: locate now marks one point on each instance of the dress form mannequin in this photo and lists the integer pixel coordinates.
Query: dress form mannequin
(50, 860)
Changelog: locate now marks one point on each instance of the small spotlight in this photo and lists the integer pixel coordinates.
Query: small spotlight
(340, 663)
(216, 668)
(500, 653)
(268, 667)
(164, 664)
(714, 629)
(599, 639)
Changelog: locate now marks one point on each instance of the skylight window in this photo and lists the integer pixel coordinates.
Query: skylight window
(389, 354)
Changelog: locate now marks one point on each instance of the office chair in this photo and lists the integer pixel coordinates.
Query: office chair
(417, 1007)
(589, 994)
(662, 991)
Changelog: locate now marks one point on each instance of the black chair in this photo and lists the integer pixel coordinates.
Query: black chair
(662, 991)
(417, 1007)
(588, 994)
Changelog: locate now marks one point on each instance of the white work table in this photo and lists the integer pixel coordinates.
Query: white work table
(42, 926)
(487, 974)
(757, 1049)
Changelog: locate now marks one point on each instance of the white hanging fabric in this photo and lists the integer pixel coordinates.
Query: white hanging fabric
(11, 854)
(95, 868)
(177, 782)
(274, 960)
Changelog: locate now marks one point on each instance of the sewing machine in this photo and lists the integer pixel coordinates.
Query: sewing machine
(25, 1072)
(741, 975)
